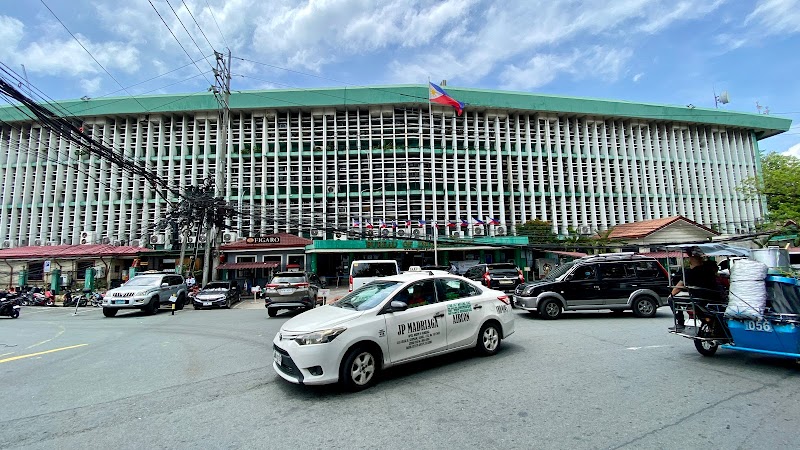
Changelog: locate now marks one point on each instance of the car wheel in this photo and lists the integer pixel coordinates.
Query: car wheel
(359, 370)
(550, 309)
(228, 303)
(15, 314)
(110, 312)
(272, 312)
(705, 348)
(152, 308)
(644, 306)
(196, 307)
(488, 339)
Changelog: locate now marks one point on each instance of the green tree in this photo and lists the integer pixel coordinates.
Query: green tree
(779, 184)
(538, 232)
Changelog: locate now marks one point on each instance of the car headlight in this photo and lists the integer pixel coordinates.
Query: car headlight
(319, 337)
(528, 290)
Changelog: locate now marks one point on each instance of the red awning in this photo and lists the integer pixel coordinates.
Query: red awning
(249, 265)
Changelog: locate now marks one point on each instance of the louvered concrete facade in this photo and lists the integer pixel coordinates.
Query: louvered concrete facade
(302, 160)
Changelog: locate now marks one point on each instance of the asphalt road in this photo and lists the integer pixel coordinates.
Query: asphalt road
(203, 379)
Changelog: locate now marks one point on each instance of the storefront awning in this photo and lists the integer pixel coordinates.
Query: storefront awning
(249, 265)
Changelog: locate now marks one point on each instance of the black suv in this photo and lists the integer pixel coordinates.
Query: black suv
(615, 281)
(500, 276)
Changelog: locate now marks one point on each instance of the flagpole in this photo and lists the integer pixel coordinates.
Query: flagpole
(433, 182)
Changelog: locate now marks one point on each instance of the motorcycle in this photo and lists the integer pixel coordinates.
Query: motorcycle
(72, 300)
(36, 299)
(10, 307)
(96, 299)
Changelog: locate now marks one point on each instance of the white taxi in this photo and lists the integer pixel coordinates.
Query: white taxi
(393, 320)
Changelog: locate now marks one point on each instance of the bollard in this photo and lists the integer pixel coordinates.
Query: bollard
(173, 308)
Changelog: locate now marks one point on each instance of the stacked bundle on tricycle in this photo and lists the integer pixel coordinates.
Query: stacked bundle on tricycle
(759, 312)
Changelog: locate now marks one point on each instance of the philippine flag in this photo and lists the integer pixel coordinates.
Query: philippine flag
(369, 225)
(494, 221)
(421, 222)
(408, 223)
(464, 223)
(356, 223)
(437, 95)
(394, 224)
(383, 224)
(478, 221)
(451, 224)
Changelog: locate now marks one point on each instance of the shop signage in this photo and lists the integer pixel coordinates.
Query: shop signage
(264, 240)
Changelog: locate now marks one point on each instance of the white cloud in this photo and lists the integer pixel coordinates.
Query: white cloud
(599, 62)
(91, 86)
(68, 57)
(11, 32)
(793, 151)
(638, 77)
(776, 17)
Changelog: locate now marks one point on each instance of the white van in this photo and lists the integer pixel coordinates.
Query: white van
(364, 271)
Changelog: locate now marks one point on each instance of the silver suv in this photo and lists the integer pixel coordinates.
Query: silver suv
(147, 292)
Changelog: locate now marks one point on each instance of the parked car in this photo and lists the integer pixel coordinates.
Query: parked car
(217, 294)
(365, 271)
(147, 291)
(290, 291)
(501, 276)
(615, 281)
(391, 321)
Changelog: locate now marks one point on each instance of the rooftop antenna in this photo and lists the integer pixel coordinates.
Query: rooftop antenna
(27, 82)
(721, 99)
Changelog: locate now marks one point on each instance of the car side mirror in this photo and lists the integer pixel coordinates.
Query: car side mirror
(397, 306)
(164, 285)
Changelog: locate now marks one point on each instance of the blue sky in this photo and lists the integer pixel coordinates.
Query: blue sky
(655, 51)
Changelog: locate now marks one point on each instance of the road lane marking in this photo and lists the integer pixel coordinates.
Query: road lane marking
(647, 346)
(60, 332)
(30, 355)
(6, 354)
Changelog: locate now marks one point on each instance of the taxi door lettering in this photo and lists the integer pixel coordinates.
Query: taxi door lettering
(460, 317)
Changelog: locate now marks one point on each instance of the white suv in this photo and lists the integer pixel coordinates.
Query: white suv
(147, 292)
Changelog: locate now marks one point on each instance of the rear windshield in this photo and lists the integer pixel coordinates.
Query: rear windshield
(288, 279)
(217, 286)
(503, 268)
(370, 269)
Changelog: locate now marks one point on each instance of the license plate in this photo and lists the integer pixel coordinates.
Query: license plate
(285, 291)
(206, 303)
(277, 357)
(119, 302)
(506, 281)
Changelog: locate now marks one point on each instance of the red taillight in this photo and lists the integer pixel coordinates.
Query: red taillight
(350, 289)
(503, 298)
(272, 285)
(301, 285)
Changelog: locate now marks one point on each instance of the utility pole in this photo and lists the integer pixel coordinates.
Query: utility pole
(222, 92)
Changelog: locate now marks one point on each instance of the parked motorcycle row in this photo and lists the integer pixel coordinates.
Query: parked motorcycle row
(11, 302)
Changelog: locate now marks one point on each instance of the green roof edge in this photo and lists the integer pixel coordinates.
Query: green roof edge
(763, 125)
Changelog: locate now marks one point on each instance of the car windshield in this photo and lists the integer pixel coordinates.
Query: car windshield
(368, 296)
(216, 287)
(143, 281)
(559, 271)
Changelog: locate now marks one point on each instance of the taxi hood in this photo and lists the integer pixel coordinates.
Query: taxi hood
(320, 319)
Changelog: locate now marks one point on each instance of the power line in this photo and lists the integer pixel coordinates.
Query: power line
(187, 31)
(88, 52)
(178, 41)
(198, 25)
(217, 24)
(156, 77)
